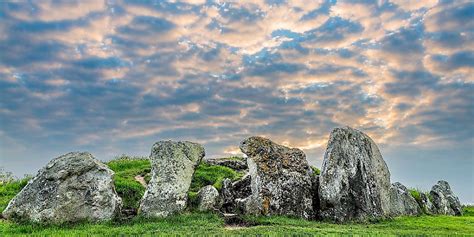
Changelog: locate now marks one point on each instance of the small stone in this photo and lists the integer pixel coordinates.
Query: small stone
(207, 198)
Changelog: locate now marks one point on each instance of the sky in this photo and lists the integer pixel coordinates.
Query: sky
(113, 77)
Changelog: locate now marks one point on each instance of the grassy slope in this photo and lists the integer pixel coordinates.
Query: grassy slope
(204, 223)
(9, 190)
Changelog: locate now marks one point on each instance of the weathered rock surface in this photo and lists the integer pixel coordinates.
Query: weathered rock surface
(444, 200)
(173, 165)
(280, 179)
(426, 205)
(402, 202)
(235, 163)
(355, 181)
(232, 194)
(72, 187)
(207, 198)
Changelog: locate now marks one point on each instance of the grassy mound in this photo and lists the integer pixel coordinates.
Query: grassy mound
(127, 187)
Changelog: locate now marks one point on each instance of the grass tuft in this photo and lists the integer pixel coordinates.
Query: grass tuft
(9, 189)
(206, 174)
(129, 189)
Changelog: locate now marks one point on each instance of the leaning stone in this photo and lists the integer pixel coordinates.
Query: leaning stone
(444, 200)
(402, 202)
(173, 165)
(73, 187)
(207, 198)
(355, 181)
(280, 178)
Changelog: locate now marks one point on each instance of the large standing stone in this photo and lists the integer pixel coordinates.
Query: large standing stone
(355, 182)
(72, 187)
(173, 165)
(444, 200)
(402, 202)
(207, 198)
(280, 179)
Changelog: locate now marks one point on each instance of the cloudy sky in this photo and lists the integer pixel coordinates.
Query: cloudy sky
(112, 77)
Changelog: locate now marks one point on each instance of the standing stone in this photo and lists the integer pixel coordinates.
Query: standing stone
(402, 202)
(207, 198)
(444, 200)
(280, 179)
(73, 187)
(172, 168)
(355, 182)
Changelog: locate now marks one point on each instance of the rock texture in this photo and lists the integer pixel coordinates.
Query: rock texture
(73, 187)
(280, 179)
(234, 193)
(207, 198)
(426, 205)
(235, 163)
(355, 181)
(444, 200)
(402, 202)
(173, 165)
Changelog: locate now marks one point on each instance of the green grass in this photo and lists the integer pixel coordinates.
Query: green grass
(212, 224)
(9, 189)
(206, 174)
(316, 171)
(130, 190)
(415, 193)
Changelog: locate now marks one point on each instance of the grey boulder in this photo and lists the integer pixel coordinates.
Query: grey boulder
(355, 181)
(280, 179)
(70, 188)
(207, 198)
(172, 168)
(402, 202)
(444, 200)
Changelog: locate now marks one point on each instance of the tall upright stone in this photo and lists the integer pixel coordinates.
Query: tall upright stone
(70, 188)
(280, 179)
(355, 181)
(172, 168)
